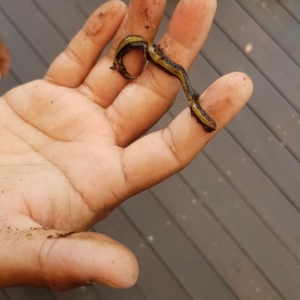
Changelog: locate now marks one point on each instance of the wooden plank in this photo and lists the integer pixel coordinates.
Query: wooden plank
(175, 249)
(252, 135)
(23, 56)
(266, 103)
(28, 293)
(256, 188)
(89, 6)
(69, 19)
(282, 28)
(3, 295)
(289, 228)
(240, 128)
(274, 208)
(77, 16)
(155, 281)
(35, 28)
(266, 55)
(224, 255)
(268, 153)
(293, 7)
(260, 245)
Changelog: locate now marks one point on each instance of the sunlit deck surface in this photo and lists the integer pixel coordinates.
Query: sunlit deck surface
(228, 226)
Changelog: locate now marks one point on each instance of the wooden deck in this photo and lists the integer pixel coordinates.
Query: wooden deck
(228, 226)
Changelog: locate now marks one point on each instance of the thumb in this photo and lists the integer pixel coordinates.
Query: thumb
(62, 260)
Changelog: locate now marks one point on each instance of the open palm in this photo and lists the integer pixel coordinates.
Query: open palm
(70, 146)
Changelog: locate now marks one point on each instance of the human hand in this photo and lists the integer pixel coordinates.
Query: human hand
(4, 59)
(70, 150)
